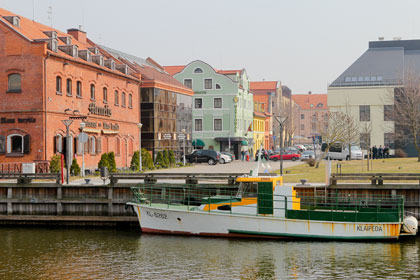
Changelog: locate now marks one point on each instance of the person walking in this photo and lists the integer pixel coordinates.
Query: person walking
(374, 152)
(386, 152)
(242, 155)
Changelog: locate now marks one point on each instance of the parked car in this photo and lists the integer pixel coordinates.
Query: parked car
(286, 156)
(340, 151)
(223, 158)
(300, 147)
(209, 156)
(232, 157)
(307, 155)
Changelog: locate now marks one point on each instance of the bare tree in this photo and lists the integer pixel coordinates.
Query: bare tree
(406, 110)
(341, 129)
(352, 130)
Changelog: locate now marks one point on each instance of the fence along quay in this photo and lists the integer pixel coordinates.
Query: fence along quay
(105, 205)
(50, 203)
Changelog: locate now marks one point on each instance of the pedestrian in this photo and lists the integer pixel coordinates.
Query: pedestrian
(374, 152)
(386, 152)
(242, 155)
(380, 152)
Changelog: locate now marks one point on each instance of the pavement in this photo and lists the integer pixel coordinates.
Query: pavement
(236, 166)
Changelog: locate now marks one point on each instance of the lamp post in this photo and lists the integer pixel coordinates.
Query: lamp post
(82, 126)
(140, 164)
(183, 132)
(67, 123)
(281, 120)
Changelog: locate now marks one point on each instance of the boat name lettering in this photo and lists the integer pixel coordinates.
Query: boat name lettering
(157, 215)
(369, 228)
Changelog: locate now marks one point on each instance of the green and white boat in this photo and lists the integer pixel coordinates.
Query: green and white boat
(262, 207)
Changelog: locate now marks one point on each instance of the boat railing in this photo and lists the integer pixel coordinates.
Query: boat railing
(367, 208)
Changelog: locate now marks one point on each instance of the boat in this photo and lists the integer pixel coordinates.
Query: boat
(262, 207)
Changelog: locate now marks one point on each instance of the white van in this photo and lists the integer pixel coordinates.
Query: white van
(340, 151)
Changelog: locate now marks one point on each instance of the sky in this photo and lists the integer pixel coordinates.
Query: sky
(305, 44)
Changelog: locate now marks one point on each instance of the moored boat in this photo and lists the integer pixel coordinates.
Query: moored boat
(262, 207)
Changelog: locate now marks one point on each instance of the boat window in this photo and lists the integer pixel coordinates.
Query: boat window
(248, 189)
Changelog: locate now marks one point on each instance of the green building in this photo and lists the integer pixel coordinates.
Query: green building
(222, 106)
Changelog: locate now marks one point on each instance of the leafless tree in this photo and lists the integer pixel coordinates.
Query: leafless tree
(341, 129)
(406, 110)
(352, 130)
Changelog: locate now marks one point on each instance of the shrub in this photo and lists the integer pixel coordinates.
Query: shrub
(104, 161)
(166, 158)
(112, 163)
(311, 162)
(172, 160)
(75, 168)
(160, 160)
(146, 160)
(55, 164)
(135, 162)
(399, 153)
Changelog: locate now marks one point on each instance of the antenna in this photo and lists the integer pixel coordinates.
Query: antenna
(50, 14)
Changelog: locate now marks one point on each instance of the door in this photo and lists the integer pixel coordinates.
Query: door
(265, 198)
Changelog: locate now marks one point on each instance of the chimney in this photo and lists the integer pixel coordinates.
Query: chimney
(78, 34)
(309, 92)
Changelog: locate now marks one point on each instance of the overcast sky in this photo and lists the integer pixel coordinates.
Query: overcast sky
(305, 44)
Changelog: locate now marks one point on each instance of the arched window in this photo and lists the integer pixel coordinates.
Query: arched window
(116, 98)
(58, 143)
(58, 84)
(130, 101)
(123, 99)
(105, 95)
(15, 144)
(79, 89)
(68, 88)
(14, 83)
(218, 86)
(92, 145)
(319, 105)
(92, 92)
(117, 146)
(198, 70)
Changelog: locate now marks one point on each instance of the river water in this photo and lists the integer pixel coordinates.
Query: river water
(44, 253)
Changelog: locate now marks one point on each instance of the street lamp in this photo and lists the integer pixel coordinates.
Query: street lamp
(281, 120)
(183, 132)
(140, 164)
(82, 126)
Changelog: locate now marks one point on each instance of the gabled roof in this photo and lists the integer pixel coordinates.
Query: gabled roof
(150, 70)
(264, 85)
(382, 64)
(33, 31)
(305, 101)
(172, 70)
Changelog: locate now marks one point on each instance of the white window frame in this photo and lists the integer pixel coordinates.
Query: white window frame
(192, 82)
(9, 143)
(221, 99)
(201, 124)
(204, 83)
(221, 119)
(201, 102)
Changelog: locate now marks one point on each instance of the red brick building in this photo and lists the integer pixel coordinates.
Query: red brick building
(46, 77)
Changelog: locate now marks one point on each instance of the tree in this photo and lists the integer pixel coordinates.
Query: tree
(352, 130)
(135, 162)
(75, 168)
(55, 164)
(337, 131)
(112, 163)
(104, 162)
(406, 110)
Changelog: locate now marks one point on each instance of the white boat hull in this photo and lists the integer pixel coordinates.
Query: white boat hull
(174, 221)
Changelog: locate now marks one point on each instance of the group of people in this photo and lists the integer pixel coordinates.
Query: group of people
(381, 152)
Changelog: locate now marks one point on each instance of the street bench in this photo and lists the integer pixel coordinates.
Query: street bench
(374, 178)
(25, 178)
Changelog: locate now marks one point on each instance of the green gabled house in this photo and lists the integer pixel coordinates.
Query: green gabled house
(222, 106)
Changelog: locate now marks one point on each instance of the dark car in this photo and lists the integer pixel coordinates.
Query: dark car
(209, 156)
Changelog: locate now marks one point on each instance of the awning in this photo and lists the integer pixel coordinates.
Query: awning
(244, 143)
(198, 143)
(107, 131)
(91, 130)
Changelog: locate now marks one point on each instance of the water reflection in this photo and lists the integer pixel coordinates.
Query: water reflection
(111, 254)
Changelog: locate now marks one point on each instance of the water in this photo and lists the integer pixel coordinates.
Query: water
(40, 253)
